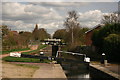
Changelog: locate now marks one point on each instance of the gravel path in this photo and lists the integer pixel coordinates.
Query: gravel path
(4, 55)
(47, 51)
(114, 68)
(15, 71)
(51, 71)
(45, 70)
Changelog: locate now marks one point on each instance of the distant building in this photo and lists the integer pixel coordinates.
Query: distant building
(36, 28)
(89, 33)
(15, 32)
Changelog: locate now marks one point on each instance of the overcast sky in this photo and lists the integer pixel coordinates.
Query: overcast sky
(22, 16)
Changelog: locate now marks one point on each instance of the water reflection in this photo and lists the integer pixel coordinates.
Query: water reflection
(81, 72)
(84, 76)
(75, 71)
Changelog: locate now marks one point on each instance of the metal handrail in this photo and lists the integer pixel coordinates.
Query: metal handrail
(70, 53)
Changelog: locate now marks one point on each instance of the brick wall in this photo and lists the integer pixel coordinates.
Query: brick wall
(88, 36)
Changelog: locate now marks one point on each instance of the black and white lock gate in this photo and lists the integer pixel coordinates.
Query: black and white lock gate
(59, 59)
(55, 44)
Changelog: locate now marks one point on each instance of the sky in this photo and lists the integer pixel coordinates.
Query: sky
(22, 16)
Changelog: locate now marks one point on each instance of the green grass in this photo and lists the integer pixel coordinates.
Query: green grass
(5, 52)
(33, 51)
(42, 46)
(19, 59)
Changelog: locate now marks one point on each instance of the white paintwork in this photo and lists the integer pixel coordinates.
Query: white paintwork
(43, 43)
(87, 59)
(53, 40)
(41, 53)
(103, 54)
(46, 42)
(49, 58)
(15, 54)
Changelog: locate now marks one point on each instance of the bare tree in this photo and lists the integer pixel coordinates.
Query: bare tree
(111, 18)
(71, 23)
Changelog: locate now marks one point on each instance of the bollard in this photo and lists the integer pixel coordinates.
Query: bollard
(41, 54)
(87, 61)
(105, 62)
(103, 59)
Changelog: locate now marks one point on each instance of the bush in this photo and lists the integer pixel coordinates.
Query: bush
(107, 40)
(111, 47)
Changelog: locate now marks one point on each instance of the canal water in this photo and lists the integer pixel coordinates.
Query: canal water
(81, 71)
(75, 71)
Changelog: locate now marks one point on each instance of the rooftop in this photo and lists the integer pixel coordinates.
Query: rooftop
(99, 25)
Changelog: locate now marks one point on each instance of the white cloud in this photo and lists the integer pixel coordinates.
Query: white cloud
(90, 18)
(94, 15)
(53, 25)
(60, 4)
(92, 0)
(52, 15)
(60, 0)
(13, 9)
(21, 16)
(36, 9)
(19, 25)
(24, 17)
(28, 12)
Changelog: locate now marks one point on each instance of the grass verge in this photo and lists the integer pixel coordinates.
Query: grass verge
(33, 51)
(20, 59)
(42, 46)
